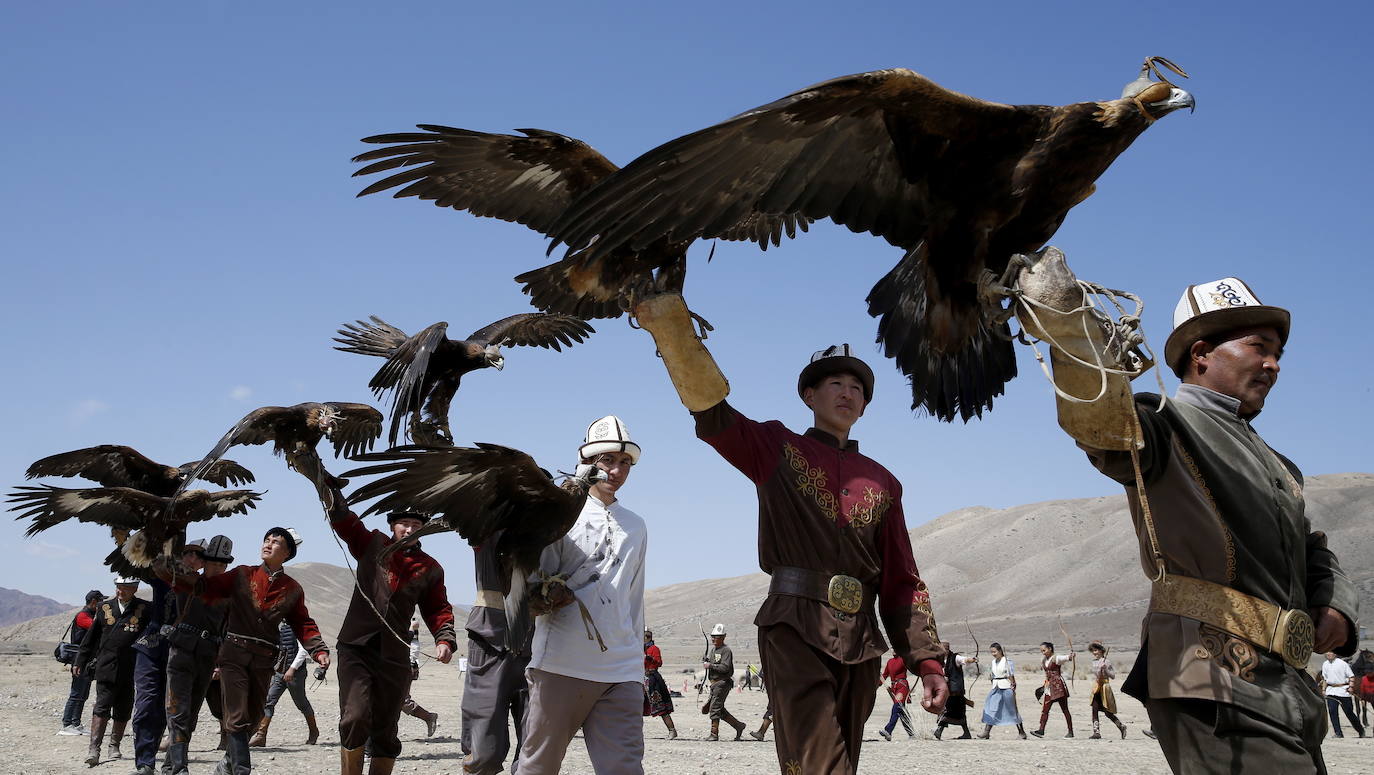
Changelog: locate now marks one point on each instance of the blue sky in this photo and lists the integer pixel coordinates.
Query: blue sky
(181, 237)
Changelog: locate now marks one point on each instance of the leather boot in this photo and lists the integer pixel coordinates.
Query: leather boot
(97, 735)
(223, 740)
(987, 732)
(1097, 731)
(1122, 727)
(176, 759)
(165, 744)
(431, 719)
(763, 730)
(672, 730)
(966, 735)
(350, 761)
(116, 735)
(381, 766)
(312, 731)
(240, 759)
(715, 731)
(260, 734)
(939, 730)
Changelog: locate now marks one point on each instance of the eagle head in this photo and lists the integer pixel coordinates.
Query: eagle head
(493, 356)
(1159, 98)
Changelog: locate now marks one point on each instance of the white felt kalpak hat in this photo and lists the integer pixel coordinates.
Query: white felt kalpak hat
(1213, 308)
(608, 434)
(131, 581)
(719, 629)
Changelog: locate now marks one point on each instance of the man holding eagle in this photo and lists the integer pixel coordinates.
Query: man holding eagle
(969, 190)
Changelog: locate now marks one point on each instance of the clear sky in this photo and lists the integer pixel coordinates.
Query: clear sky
(180, 235)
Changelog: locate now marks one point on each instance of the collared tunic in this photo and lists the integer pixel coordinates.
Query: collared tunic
(411, 578)
(602, 558)
(830, 509)
(107, 652)
(257, 601)
(1227, 509)
(900, 690)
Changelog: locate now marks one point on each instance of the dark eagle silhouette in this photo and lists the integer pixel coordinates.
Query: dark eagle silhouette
(113, 465)
(424, 370)
(351, 428)
(959, 183)
(478, 492)
(531, 180)
(159, 523)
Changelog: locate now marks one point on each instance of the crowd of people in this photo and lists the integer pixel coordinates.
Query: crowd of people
(1218, 513)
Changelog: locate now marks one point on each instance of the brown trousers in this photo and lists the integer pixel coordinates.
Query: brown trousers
(244, 674)
(819, 704)
(372, 689)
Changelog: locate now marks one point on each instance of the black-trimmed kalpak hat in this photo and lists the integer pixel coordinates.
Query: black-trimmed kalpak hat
(1213, 308)
(835, 359)
(396, 515)
(608, 434)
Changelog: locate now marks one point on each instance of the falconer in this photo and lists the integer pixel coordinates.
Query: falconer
(831, 535)
(720, 674)
(257, 597)
(374, 654)
(107, 654)
(1244, 589)
(195, 640)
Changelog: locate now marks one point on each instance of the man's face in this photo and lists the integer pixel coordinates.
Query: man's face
(617, 466)
(404, 527)
(1244, 366)
(837, 401)
(215, 567)
(192, 560)
(125, 592)
(717, 640)
(1330, 656)
(275, 550)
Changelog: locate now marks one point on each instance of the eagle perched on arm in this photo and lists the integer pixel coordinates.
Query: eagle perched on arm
(959, 183)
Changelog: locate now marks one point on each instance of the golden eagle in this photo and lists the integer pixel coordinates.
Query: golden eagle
(113, 465)
(531, 180)
(479, 492)
(959, 183)
(160, 523)
(424, 370)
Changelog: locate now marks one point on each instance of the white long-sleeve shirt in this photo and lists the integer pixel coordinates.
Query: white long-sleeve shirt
(602, 558)
(1001, 671)
(1337, 674)
(301, 656)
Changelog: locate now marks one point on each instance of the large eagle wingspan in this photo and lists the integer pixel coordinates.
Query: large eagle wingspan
(961, 184)
(113, 465)
(532, 180)
(425, 370)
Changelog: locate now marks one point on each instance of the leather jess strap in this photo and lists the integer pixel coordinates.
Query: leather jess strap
(843, 593)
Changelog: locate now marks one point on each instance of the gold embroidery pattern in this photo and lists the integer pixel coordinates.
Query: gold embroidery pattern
(109, 615)
(1235, 655)
(792, 767)
(1207, 493)
(920, 603)
(811, 480)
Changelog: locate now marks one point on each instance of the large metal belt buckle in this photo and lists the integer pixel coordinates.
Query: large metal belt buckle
(1295, 636)
(845, 594)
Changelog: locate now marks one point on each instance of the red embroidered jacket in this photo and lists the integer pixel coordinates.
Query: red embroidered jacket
(410, 578)
(832, 510)
(256, 603)
(653, 658)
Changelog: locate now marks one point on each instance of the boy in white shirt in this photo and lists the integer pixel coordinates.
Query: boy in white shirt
(1336, 677)
(575, 682)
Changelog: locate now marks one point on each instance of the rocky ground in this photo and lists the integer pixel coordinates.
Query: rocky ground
(33, 689)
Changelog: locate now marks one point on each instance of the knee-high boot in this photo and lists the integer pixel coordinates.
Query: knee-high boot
(431, 719)
(987, 732)
(116, 735)
(350, 761)
(97, 735)
(312, 735)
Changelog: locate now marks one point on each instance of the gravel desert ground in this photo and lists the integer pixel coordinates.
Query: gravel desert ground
(33, 689)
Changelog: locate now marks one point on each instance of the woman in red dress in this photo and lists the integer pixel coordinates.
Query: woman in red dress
(894, 672)
(657, 701)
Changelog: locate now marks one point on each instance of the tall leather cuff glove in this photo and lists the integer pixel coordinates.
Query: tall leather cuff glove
(698, 380)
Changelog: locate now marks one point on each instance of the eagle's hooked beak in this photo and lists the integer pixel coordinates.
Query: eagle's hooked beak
(494, 357)
(1176, 100)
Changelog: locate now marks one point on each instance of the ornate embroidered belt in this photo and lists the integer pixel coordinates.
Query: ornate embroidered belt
(490, 598)
(845, 594)
(1287, 633)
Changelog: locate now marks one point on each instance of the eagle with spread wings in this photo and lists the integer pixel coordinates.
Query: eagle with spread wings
(424, 371)
(479, 492)
(532, 180)
(114, 465)
(960, 184)
(154, 524)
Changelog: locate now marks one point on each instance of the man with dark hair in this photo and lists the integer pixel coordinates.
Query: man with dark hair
(374, 654)
(1244, 590)
(81, 684)
(195, 640)
(107, 655)
(831, 535)
(257, 598)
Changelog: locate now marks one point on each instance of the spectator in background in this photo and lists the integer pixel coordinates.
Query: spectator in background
(81, 684)
(288, 675)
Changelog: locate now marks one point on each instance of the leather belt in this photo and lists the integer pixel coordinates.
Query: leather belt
(490, 598)
(845, 594)
(202, 634)
(1288, 633)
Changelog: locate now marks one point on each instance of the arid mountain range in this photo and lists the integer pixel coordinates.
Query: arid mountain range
(1011, 574)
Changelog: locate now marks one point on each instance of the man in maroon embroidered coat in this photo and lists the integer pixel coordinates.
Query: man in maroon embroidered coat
(374, 662)
(257, 598)
(832, 536)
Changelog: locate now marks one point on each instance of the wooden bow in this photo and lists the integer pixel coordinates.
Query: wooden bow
(1072, 654)
(977, 652)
